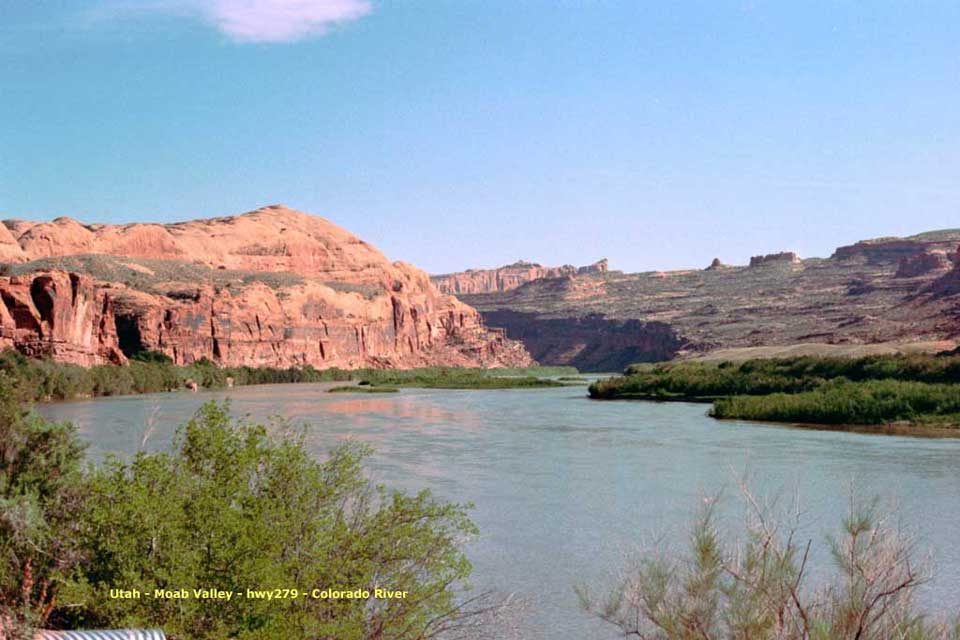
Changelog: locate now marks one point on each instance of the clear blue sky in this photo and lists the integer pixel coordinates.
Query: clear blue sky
(462, 133)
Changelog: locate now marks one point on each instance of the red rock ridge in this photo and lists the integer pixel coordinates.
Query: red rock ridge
(350, 307)
(508, 277)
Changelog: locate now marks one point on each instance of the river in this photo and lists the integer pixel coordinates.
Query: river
(565, 487)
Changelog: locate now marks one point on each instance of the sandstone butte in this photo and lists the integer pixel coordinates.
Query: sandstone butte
(273, 287)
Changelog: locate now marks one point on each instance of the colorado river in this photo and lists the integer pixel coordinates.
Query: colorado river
(564, 486)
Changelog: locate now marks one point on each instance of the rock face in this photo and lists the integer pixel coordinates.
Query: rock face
(784, 257)
(892, 250)
(274, 287)
(64, 316)
(508, 277)
(920, 264)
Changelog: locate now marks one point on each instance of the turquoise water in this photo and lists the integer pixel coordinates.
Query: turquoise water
(565, 487)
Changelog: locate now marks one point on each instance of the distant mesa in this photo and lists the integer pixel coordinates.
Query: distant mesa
(508, 277)
(892, 250)
(783, 257)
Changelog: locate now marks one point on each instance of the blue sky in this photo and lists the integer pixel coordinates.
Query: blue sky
(464, 133)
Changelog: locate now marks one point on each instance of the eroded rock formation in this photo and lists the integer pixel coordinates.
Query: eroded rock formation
(65, 316)
(783, 257)
(274, 287)
(508, 277)
(919, 264)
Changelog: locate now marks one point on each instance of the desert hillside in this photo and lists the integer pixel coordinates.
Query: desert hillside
(273, 287)
(867, 297)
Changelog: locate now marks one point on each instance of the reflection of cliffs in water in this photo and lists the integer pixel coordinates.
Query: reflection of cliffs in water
(589, 343)
(407, 412)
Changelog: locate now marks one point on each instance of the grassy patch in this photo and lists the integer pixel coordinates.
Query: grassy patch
(366, 389)
(454, 378)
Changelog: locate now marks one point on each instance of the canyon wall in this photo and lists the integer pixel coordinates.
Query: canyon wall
(889, 291)
(274, 287)
(589, 343)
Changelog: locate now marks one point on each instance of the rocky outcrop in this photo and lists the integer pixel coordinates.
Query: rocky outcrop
(59, 315)
(946, 286)
(924, 263)
(893, 250)
(716, 264)
(508, 277)
(784, 257)
(297, 290)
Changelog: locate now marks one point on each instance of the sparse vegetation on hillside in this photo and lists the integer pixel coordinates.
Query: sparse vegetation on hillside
(144, 274)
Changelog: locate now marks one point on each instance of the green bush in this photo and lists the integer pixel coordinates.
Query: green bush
(42, 496)
(231, 506)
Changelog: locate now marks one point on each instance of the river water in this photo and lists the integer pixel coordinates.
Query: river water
(566, 487)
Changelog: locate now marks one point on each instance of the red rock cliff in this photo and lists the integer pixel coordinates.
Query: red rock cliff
(507, 277)
(274, 287)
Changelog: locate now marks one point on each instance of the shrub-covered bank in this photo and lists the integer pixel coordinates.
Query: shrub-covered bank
(914, 389)
(229, 506)
(844, 402)
(152, 372)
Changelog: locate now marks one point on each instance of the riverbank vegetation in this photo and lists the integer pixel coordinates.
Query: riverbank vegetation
(759, 585)
(152, 372)
(456, 378)
(912, 389)
(355, 388)
(231, 506)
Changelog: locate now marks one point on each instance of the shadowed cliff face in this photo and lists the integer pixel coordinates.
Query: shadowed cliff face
(589, 343)
(274, 287)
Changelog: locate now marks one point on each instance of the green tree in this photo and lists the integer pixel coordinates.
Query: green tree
(235, 506)
(41, 499)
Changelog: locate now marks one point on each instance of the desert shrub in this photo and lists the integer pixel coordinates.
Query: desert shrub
(757, 586)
